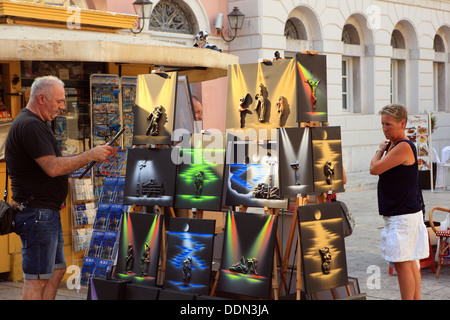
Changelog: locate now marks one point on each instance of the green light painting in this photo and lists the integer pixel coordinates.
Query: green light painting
(199, 182)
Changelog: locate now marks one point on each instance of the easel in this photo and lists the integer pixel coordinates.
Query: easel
(161, 211)
(277, 253)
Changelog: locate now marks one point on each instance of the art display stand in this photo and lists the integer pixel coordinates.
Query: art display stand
(275, 282)
(300, 138)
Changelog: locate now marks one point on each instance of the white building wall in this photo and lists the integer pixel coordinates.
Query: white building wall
(419, 21)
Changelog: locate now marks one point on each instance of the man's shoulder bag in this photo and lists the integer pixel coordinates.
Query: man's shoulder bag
(7, 213)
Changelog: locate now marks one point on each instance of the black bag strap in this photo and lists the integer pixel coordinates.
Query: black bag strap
(421, 201)
(5, 195)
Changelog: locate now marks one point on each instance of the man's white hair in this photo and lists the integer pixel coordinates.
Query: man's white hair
(44, 85)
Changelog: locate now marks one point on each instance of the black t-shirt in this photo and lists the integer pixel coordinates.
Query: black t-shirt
(28, 139)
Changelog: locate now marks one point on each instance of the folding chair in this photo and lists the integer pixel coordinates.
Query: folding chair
(444, 241)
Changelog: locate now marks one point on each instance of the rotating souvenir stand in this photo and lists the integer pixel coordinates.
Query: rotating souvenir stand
(83, 214)
(128, 97)
(106, 117)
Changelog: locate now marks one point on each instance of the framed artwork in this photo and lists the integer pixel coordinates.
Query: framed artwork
(312, 87)
(262, 95)
(247, 255)
(322, 243)
(200, 173)
(185, 116)
(139, 248)
(252, 174)
(150, 176)
(327, 159)
(190, 244)
(154, 110)
(296, 170)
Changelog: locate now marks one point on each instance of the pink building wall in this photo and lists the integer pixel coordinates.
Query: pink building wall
(213, 93)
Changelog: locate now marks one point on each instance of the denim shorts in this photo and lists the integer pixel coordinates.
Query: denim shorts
(42, 242)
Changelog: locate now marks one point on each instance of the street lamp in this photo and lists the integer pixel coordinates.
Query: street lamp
(143, 8)
(235, 21)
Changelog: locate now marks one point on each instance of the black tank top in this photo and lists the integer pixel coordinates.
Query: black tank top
(398, 188)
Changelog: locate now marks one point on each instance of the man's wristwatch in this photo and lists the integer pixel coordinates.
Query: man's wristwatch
(379, 150)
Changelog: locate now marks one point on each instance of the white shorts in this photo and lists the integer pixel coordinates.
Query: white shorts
(404, 238)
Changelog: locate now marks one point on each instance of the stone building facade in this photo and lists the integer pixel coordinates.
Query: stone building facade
(378, 52)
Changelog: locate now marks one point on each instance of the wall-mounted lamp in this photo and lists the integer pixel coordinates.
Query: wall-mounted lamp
(143, 9)
(235, 21)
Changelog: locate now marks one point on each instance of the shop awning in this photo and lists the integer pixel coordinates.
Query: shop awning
(47, 44)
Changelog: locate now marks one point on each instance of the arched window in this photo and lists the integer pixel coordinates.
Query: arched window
(351, 69)
(350, 35)
(397, 40)
(439, 74)
(438, 44)
(171, 16)
(295, 30)
(398, 68)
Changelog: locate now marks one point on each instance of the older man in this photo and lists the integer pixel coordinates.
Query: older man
(36, 167)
